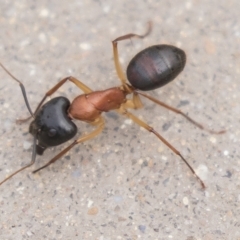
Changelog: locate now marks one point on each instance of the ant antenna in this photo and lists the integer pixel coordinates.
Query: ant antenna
(22, 88)
(34, 153)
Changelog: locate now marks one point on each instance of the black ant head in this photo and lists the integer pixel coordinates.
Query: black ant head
(52, 125)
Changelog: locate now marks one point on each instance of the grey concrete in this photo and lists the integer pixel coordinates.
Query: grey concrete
(124, 184)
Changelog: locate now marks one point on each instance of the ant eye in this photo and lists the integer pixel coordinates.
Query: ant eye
(52, 132)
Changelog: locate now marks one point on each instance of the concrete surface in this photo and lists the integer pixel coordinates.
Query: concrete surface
(124, 184)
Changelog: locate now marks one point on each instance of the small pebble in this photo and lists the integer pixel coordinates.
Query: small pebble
(27, 145)
(93, 211)
(85, 46)
(142, 228)
(185, 201)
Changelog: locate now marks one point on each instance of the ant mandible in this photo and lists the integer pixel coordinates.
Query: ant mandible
(151, 68)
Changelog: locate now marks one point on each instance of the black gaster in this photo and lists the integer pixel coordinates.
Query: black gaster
(52, 124)
(155, 66)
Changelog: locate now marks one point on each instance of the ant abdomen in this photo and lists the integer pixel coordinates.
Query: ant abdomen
(155, 66)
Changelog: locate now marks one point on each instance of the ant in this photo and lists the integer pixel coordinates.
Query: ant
(151, 68)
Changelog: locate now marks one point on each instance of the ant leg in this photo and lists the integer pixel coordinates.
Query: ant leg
(118, 67)
(134, 103)
(100, 125)
(27, 166)
(150, 129)
(78, 83)
(179, 112)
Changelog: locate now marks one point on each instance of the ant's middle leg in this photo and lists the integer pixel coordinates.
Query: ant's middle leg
(134, 103)
(118, 67)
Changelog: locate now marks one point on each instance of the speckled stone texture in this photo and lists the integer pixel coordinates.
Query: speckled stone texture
(124, 184)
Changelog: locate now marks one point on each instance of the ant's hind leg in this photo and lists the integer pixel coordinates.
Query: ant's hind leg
(150, 129)
(179, 112)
